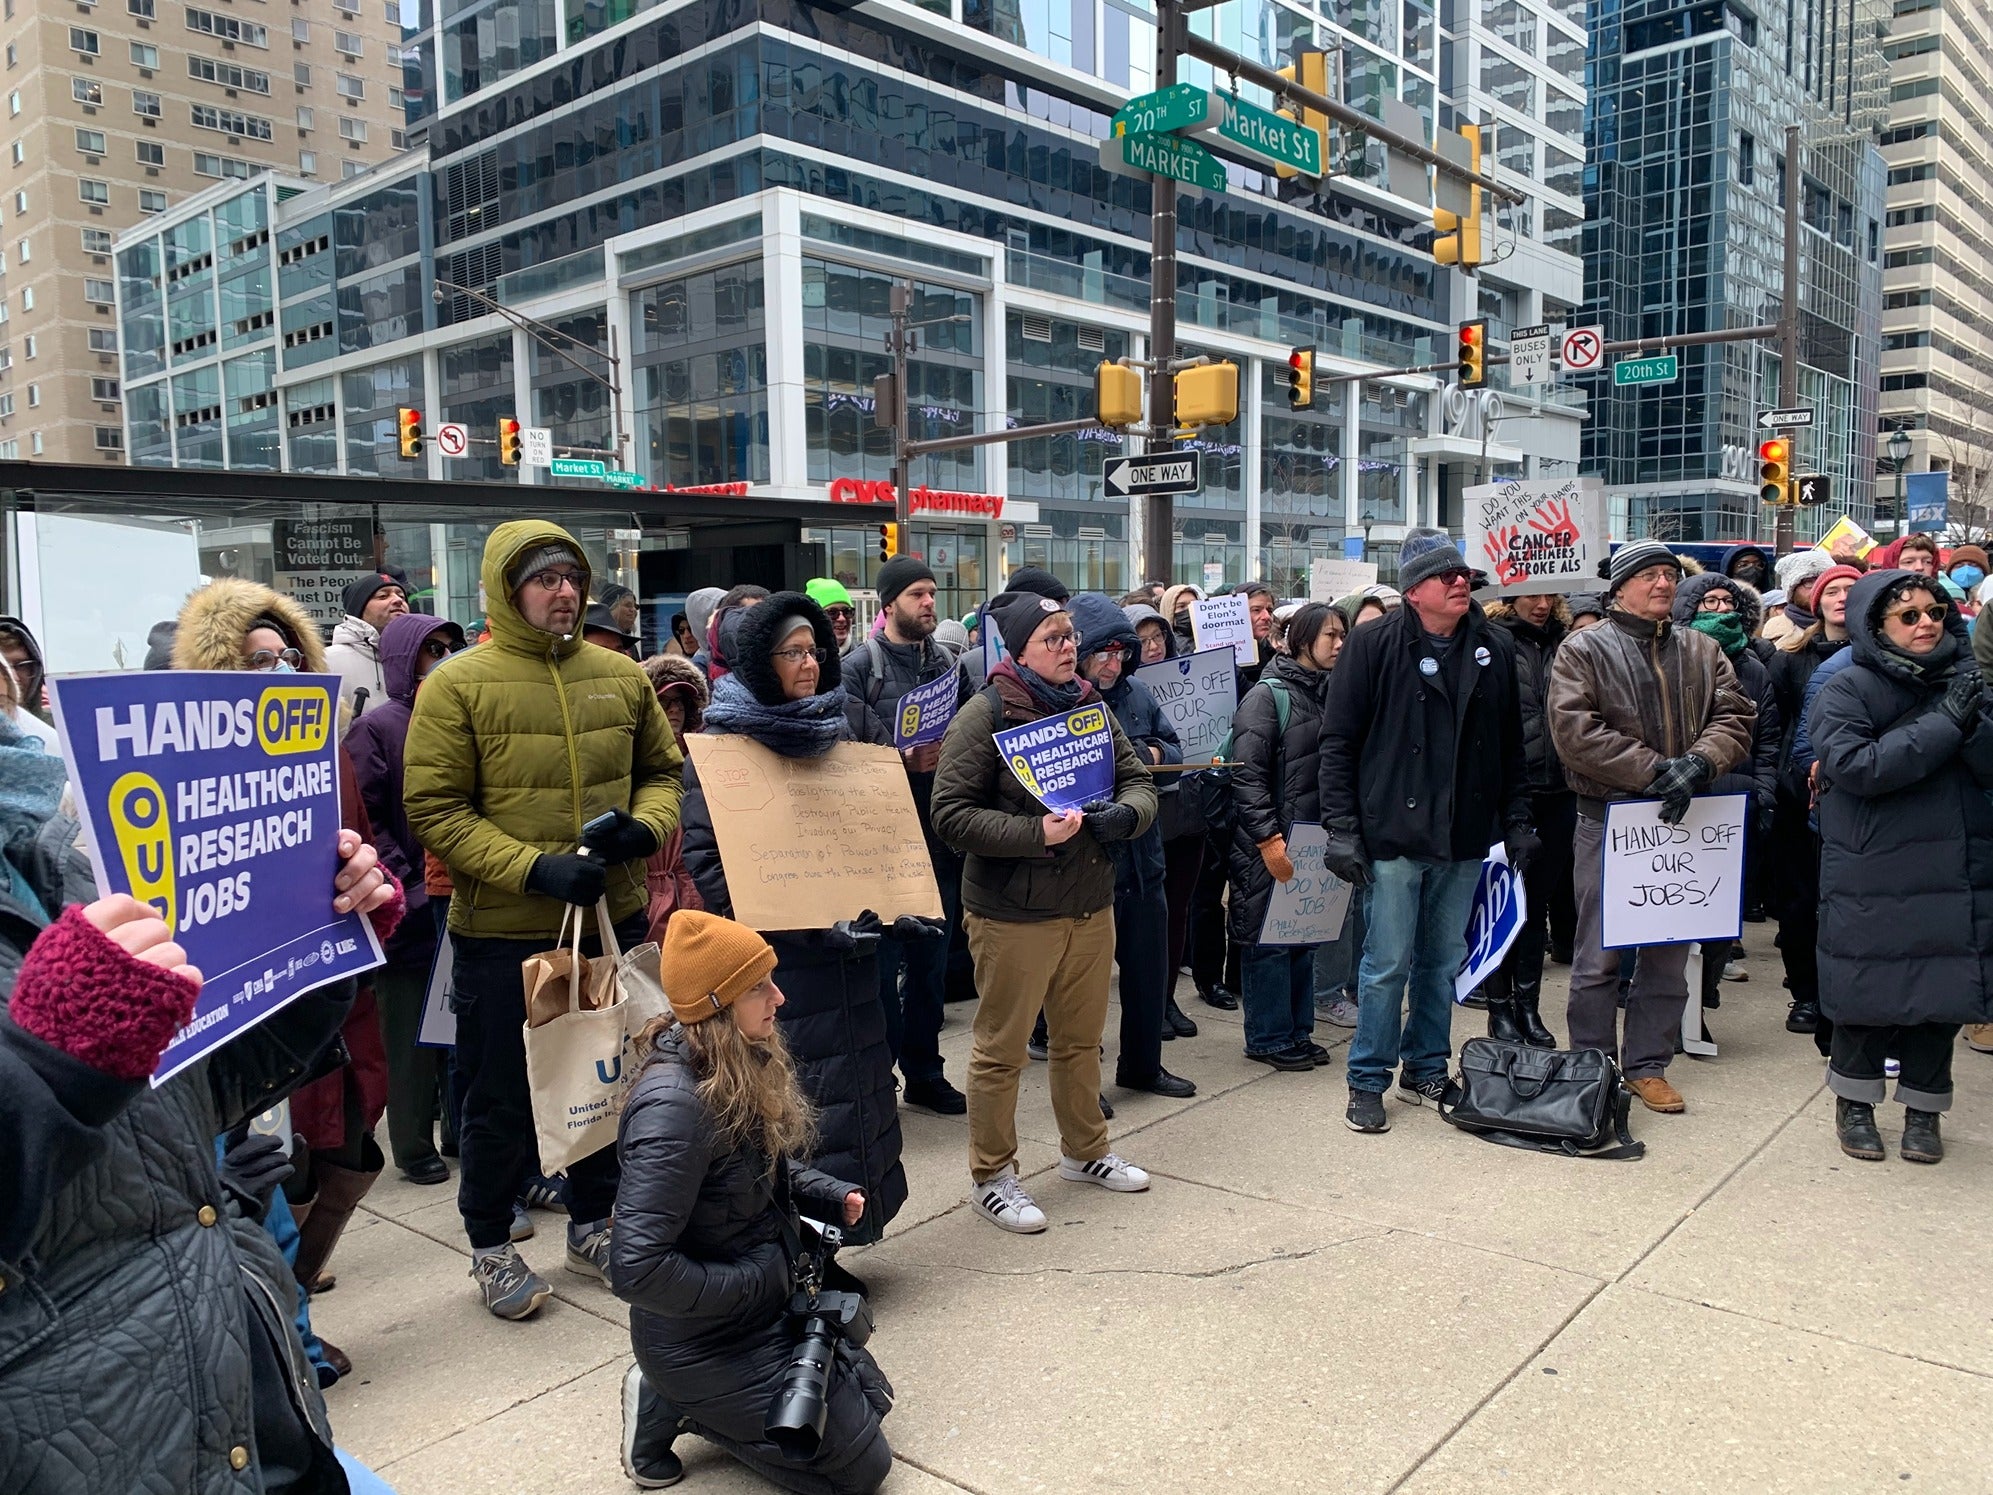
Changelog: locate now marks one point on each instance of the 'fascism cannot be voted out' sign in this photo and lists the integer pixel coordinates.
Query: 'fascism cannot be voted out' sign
(1664, 884)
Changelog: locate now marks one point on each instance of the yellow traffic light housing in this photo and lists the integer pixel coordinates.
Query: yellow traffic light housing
(1775, 471)
(1117, 396)
(889, 541)
(1208, 395)
(1459, 238)
(1311, 71)
(508, 441)
(1301, 379)
(408, 423)
(1473, 354)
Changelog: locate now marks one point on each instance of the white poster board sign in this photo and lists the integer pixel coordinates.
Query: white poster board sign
(1309, 908)
(1198, 693)
(1538, 534)
(1664, 884)
(1217, 622)
(1328, 580)
(439, 1020)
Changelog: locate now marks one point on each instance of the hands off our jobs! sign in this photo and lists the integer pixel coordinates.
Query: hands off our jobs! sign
(1198, 693)
(1665, 884)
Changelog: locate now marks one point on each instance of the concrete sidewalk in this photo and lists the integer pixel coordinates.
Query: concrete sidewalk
(1296, 1307)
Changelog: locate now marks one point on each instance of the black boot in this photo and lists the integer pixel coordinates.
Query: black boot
(1803, 1018)
(1921, 1142)
(1176, 1022)
(1531, 1022)
(1502, 1020)
(1854, 1123)
(650, 1426)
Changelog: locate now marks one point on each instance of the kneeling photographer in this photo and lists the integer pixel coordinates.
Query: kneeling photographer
(735, 1338)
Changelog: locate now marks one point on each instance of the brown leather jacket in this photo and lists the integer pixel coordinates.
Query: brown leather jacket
(1630, 693)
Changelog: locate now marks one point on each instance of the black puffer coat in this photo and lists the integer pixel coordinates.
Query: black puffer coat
(1757, 775)
(699, 1254)
(1906, 829)
(1275, 783)
(145, 1306)
(1535, 651)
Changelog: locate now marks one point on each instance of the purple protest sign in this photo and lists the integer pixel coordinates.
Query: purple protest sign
(924, 712)
(1065, 761)
(213, 796)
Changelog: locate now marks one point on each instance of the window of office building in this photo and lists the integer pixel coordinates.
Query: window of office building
(197, 417)
(477, 390)
(151, 424)
(1302, 510)
(701, 361)
(1049, 377)
(486, 41)
(571, 404)
(1387, 420)
(143, 309)
(371, 397)
(311, 426)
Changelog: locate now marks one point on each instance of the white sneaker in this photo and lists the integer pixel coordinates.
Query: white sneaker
(1341, 1012)
(1107, 1170)
(1003, 1202)
(1734, 971)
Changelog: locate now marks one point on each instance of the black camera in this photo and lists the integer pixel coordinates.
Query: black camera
(796, 1412)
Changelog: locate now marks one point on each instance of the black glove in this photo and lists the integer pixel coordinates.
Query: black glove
(1675, 785)
(855, 936)
(912, 927)
(1345, 857)
(570, 877)
(627, 839)
(251, 1169)
(1960, 701)
(1109, 821)
(1522, 844)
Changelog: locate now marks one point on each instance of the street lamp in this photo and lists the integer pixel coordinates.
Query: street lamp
(1899, 453)
(551, 338)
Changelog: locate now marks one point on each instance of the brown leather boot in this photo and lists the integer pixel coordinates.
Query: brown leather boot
(340, 1191)
(1656, 1094)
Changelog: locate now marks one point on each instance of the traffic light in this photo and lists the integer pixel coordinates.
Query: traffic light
(1117, 396)
(1311, 71)
(1775, 470)
(1473, 354)
(1208, 395)
(1459, 238)
(508, 441)
(1301, 379)
(409, 423)
(889, 541)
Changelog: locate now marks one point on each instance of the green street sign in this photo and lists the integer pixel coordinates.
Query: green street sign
(1662, 370)
(579, 467)
(1164, 155)
(1181, 106)
(619, 479)
(1272, 137)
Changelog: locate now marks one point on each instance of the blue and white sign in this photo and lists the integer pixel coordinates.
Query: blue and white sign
(1065, 761)
(923, 713)
(1927, 502)
(213, 796)
(1497, 917)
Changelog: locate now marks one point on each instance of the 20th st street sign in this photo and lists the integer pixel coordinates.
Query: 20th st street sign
(1153, 475)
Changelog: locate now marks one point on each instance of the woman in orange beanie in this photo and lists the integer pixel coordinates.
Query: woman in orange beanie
(706, 1221)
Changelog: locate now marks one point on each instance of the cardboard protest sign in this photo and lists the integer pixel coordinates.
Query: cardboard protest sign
(1663, 884)
(1219, 621)
(1198, 693)
(924, 712)
(1328, 580)
(213, 796)
(1500, 910)
(1064, 761)
(1310, 907)
(1537, 534)
(809, 841)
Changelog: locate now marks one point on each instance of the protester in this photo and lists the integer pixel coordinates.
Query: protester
(1179, 821)
(828, 593)
(511, 751)
(1919, 554)
(600, 627)
(1369, 604)
(684, 643)
(708, 1218)
(1750, 564)
(1034, 885)
(1537, 623)
(1965, 568)
(786, 691)
(1276, 741)
(1421, 770)
(1639, 709)
(355, 651)
(1175, 608)
(411, 645)
(699, 618)
(682, 692)
(625, 612)
(1587, 610)
(1906, 881)
(1797, 574)
(1261, 601)
(952, 636)
(21, 652)
(1152, 633)
(726, 618)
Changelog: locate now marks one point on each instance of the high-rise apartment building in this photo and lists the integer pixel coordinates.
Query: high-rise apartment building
(1937, 346)
(116, 110)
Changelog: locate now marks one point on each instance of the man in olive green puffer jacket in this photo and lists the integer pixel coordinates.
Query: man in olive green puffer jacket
(514, 746)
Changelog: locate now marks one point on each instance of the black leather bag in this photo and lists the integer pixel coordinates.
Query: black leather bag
(1569, 1101)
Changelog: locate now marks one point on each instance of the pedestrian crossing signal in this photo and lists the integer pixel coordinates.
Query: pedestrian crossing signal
(889, 541)
(409, 424)
(1117, 396)
(508, 441)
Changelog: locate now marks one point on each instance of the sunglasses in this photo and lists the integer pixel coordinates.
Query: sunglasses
(1909, 616)
(835, 613)
(435, 648)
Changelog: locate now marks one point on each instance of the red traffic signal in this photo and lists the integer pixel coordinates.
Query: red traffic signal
(1775, 470)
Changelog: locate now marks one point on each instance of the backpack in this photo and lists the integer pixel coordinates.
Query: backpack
(877, 684)
(1213, 786)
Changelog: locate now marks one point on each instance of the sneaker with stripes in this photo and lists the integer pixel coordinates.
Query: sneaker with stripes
(1108, 1170)
(1003, 1202)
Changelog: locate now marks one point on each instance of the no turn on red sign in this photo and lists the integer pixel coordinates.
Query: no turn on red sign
(1583, 350)
(452, 439)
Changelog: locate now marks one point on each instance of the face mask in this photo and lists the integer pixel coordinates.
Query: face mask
(282, 667)
(1968, 576)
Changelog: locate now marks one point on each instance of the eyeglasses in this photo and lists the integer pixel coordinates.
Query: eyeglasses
(1936, 612)
(797, 656)
(436, 648)
(554, 580)
(837, 613)
(1057, 641)
(1716, 602)
(264, 659)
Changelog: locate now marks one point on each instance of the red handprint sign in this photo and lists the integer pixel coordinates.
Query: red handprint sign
(1498, 548)
(1553, 520)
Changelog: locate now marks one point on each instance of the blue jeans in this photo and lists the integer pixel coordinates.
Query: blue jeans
(1335, 962)
(1414, 941)
(1278, 996)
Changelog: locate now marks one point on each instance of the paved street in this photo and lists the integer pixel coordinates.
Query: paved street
(1294, 1307)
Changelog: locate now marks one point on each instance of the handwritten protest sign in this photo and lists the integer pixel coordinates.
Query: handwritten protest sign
(1664, 884)
(213, 796)
(1064, 761)
(1198, 694)
(1218, 621)
(1500, 910)
(1309, 908)
(924, 712)
(806, 842)
(1538, 534)
(1328, 580)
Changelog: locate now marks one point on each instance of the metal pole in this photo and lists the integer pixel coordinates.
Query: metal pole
(616, 396)
(902, 305)
(1788, 343)
(1159, 511)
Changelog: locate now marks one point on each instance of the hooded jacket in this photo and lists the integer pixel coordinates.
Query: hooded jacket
(1765, 562)
(1535, 652)
(1138, 864)
(516, 744)
(671, 885)
(29, 689)
(1275, 783)
(1757, 774)
(1139, 613)
(1906, 829)
(355, 656)
(218, 617)
(1171, 600)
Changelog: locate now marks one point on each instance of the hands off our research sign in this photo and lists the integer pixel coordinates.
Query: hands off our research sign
(213, 797)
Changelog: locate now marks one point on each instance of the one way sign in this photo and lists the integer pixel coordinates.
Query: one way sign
(1158, 473)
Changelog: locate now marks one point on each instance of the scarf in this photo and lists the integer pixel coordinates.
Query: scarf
(31, 785)
(1920, 669)
(1726, 628)
(808, 728)
(1044, 692)
(1800, 618)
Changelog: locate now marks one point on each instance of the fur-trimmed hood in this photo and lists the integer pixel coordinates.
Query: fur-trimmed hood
(1501, 608)
(676, 672)
(217, 618)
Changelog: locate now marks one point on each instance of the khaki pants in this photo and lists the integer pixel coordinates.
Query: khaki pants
(1063, 966)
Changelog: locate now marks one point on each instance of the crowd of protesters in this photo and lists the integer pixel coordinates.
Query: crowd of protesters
(503, 781)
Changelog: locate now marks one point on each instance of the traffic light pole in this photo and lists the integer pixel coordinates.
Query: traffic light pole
(1788, 322)
(902, 308)
(1159, 510)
